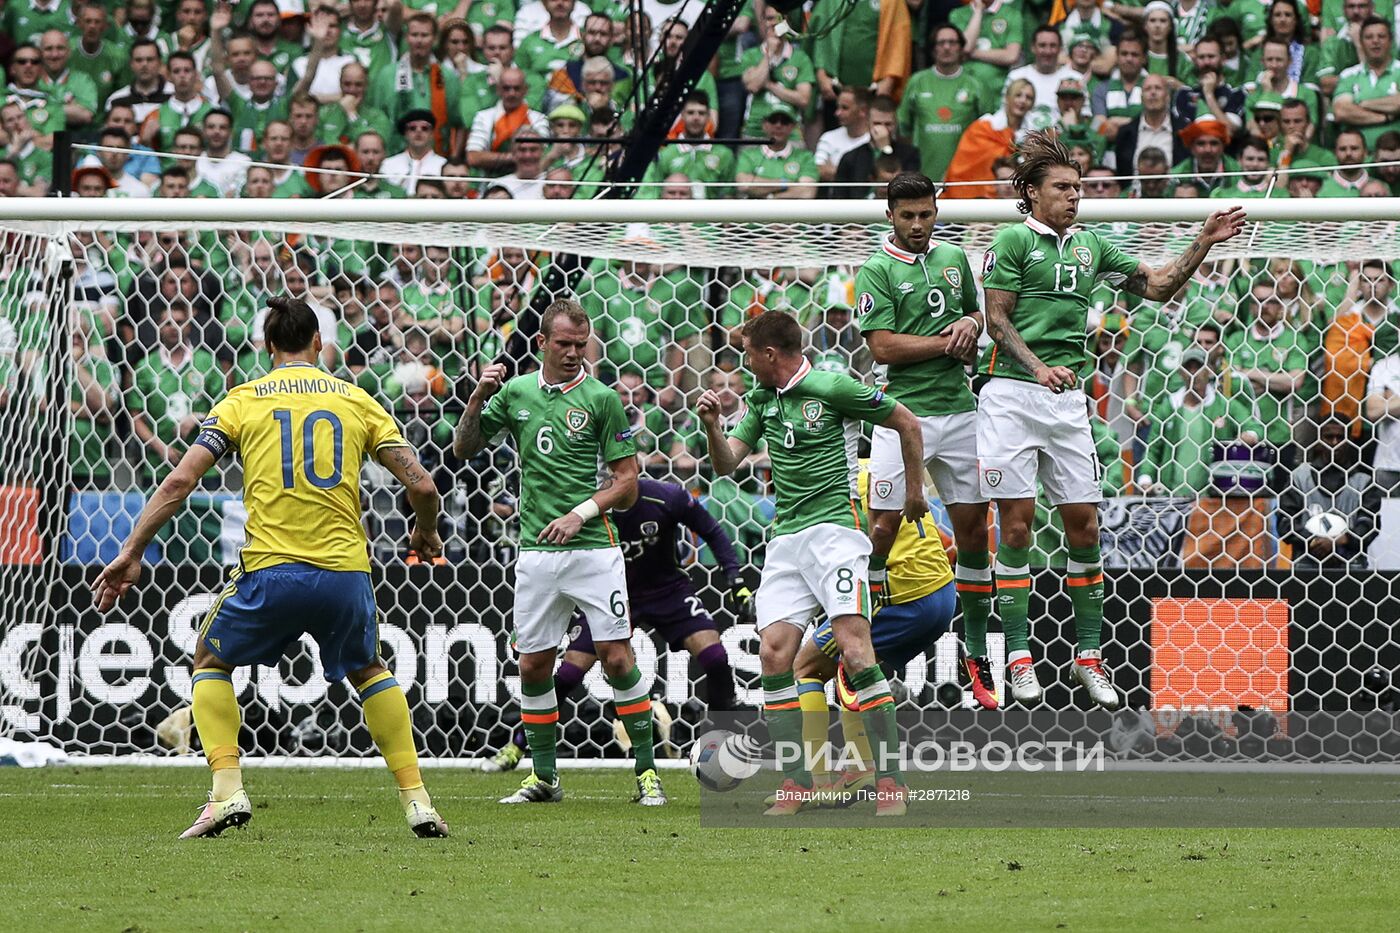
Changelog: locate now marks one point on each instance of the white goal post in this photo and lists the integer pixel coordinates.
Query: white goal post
(417, 294)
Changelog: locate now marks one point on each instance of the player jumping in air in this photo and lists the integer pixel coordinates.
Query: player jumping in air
(662, 597)
(818, 553)
(917, 306)
(564, 422)
(1032, 422)
(302, 436)
(920, 607)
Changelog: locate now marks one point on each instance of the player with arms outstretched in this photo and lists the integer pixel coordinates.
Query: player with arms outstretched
(917, 306)
(818, 552)
(304, 568)
(1032, 422)
(662, 597)
(564, 422)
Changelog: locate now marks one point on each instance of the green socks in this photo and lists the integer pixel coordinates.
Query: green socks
(1013, 582)
(633, 705)
(539, 712)
(1085, 583)
(974, 583)
(783, 713)
(877, 712)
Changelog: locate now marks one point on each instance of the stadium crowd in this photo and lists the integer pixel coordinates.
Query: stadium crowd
(1232, 394)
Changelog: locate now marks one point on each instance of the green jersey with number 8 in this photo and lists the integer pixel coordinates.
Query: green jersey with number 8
(564, 435)
(812, 433)
(1054, 280)
(920, 294)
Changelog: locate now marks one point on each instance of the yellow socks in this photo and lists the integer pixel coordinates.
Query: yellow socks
(386, 715)
(816, 719)
(216, 716)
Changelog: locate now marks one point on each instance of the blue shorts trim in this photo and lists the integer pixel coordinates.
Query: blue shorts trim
(260, 613)
(901, 632)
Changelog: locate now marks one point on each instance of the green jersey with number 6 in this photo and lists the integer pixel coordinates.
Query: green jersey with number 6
(920, 294)
(563, 435)
(811, 426)
(1053, 279)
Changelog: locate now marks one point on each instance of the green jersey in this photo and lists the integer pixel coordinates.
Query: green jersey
(935, 110)
(811, 426)
(1001, 27)
(561, 433)
(789, 71)
(1053, 279)
(847, 51)
(374, 48)
(730, 55)
(24, 21)
(789, 164)
(106, 68)
(920, 294)
(705, 162)
(1277, 352)
(540, 55)
(1338, 54)
(631, 319)
(1359, 83)
(167, 396)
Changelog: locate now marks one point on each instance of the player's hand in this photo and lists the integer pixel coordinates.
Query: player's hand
(1055, 378)
(915, 505)
(425, 543)
(962, 337)
(492, 378)
(114, 580)
(738, 599)
(561, 530)
(707, 406)
(1223, 225)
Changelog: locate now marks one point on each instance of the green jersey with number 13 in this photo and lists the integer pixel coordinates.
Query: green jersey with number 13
(1053, 279)
(564, 434)
(811, 428)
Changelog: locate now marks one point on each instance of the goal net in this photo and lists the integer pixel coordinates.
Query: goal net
(1250, 549)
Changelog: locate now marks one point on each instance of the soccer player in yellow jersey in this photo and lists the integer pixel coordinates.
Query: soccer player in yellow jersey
(304, 567)
(922, 603)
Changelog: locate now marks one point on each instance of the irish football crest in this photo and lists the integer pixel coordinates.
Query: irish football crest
(883, 488)
(812, 413)
(576, 419)
(1085, 257)
(993, 477)
(953, 276)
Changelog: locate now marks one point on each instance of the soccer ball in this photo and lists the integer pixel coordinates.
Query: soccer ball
(1327, 525)
(721, 760)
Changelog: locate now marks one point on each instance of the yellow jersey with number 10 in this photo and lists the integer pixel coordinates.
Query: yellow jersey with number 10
(302, 436)
(918, 562)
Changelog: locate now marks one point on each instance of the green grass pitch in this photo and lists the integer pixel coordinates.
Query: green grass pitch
(95, 849)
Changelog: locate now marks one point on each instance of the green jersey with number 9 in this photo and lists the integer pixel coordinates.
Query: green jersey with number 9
(1053, 279)
(564, 434)
(920, 294)
(811, 426)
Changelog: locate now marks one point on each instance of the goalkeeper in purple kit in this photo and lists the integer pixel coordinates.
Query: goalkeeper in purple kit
(663, 600)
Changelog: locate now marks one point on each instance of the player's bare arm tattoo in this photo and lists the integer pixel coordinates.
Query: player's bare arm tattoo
(467, 441)
(999, 307)
(1161, 284)
(413, 471)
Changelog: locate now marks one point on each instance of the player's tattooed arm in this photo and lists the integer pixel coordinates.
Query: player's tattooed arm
(1162, 284)
(422, 496)
(467, 440)
(1000, 304)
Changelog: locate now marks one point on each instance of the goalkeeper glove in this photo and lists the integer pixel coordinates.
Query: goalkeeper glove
(879, 590)
(739, 600)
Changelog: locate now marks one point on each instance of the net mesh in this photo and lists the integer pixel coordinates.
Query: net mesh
(1231, 582)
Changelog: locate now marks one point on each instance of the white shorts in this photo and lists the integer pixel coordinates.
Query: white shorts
(1025, 432)
(815, 570)
(950, 455)
(550, 585)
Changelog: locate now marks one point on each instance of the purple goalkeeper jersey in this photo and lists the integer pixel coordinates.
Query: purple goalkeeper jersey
(647, 532)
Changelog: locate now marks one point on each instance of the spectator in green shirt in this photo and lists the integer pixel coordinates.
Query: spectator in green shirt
(1346, 179)
(93, 404)
(24, 20)
(942, 101)
(1343, 49)
(172, 390)
(1270, 353)
(776, 74)
(1368, 94)
(782, 172)
(73, 90)
(994, 33)
(1185, 425)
